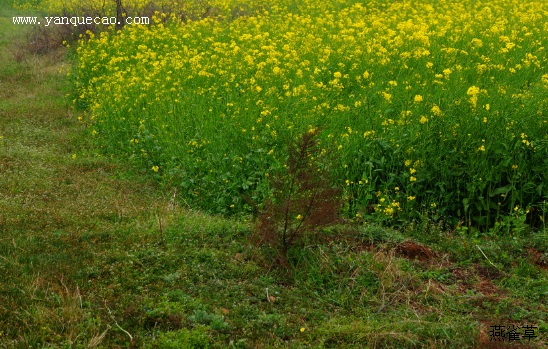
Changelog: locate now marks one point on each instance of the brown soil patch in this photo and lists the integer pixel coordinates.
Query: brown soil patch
(540, 259)
(489, 272)
(412, 250)
(487, 288)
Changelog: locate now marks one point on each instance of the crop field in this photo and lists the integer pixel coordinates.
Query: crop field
(428, 107)
(428, 125)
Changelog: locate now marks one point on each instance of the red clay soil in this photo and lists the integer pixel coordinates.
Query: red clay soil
(412, 250)
(539, 258)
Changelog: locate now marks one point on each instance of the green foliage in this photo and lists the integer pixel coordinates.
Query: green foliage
(196, 338)
(201, 317)
(447, 122)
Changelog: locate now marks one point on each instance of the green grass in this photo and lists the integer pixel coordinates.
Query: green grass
(95, 254)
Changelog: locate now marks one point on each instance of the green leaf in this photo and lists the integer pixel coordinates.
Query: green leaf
(501, 190)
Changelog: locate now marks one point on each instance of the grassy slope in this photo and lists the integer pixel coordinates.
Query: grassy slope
(92, 255)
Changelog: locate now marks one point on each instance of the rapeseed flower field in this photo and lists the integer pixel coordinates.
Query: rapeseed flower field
(435, 108)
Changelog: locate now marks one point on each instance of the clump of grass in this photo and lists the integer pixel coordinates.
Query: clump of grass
(303, 201)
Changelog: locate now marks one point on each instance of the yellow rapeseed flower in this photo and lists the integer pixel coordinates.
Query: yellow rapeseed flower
(473, 92)
(436, 110)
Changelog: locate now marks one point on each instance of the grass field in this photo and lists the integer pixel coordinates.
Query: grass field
(101, 241)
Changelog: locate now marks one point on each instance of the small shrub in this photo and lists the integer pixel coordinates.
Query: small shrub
(303, 200)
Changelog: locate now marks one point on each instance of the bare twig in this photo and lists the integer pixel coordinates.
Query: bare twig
(487, 257)
(116, 323)
(95, 341)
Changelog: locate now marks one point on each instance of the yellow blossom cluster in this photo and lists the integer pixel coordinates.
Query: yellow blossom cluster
(432, 82)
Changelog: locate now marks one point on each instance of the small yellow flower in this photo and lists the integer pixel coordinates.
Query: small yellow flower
(410, 198)
(299, 217)
(545, 79)
(436, 110)
(515, 167)
(155, 168)
(418, 98)
(303, 329)
(473, 90)
(477, 42)
(73, 156)
(423, 120)
(412, 179)
(337, 75)
(482, 148)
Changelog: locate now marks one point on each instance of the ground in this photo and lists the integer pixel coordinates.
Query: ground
(95, 254)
